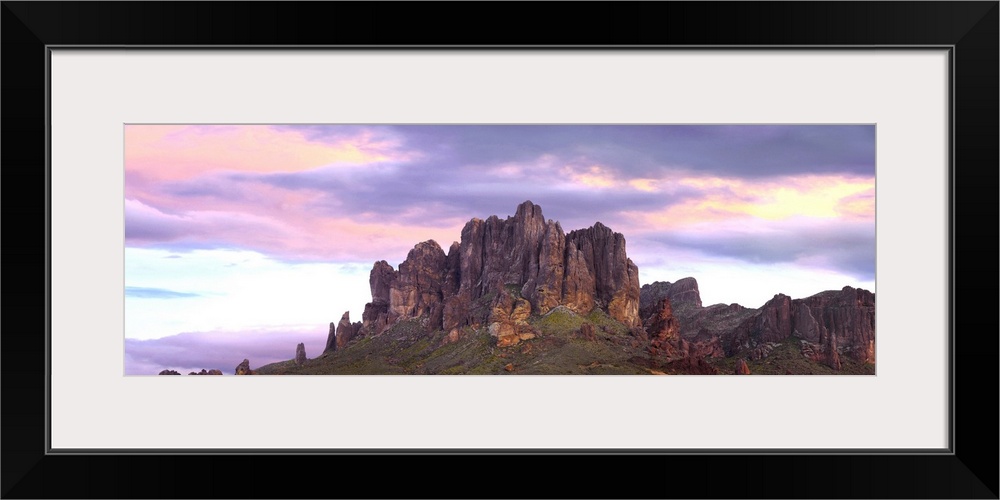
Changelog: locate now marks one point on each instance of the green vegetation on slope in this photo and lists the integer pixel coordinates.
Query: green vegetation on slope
(406, 348)
(560, 348)
(787, 356)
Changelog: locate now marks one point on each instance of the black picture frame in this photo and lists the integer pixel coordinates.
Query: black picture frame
(970, 29)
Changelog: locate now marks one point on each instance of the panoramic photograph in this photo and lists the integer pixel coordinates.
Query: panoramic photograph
(313, 249)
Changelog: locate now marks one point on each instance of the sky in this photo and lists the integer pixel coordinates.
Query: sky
(243, 240)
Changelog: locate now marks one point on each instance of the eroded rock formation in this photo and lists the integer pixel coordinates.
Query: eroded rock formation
(331, 339)
(504, 271)
(682, 293)
(345, 330)
(842, 322)
(300, 354)
(207, 372)
(501, 272)
(742, 368)
(244, 368)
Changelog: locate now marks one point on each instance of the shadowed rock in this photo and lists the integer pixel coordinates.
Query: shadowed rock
(662, 326)
(691, 366)
(417, 289)
(331, 339)
(300, 354)
(345, 330)
(616, 278)
(244, 368)
(207, 372)
(844, 319)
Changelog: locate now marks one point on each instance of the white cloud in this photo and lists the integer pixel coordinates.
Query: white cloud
(238, 290)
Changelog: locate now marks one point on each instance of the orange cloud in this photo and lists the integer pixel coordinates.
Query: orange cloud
(726, 199)
(600, 177)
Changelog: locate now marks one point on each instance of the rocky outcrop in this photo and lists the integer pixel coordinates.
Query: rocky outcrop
(545, 288)
(375, 318)
(840, 321)
(714, 321)
(331, 339)
(662, 329)
(844, 318)
(832, 356)
(168, 372)
(497, 252)
(345, 330)
(662, 326)
(417, 290)
(691, 366)
(579, 285)
(244, 368)
(300, 354)
(771, 323)
(509, 320)
(207, 372)
(696, 322)
(525, 257)
(742, 368)
(380, 281)
(616, 278)
(683, 294)
(585, 269)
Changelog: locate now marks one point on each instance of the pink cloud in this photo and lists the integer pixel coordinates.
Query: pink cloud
(171, 152)
(292, 232)
(179, 190)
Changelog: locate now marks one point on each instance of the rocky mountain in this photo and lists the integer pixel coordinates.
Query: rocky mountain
(520, 295)
(830, 323)
(500, 273)
(826, 325)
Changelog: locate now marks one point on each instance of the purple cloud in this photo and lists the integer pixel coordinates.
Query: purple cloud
(220, 350)
(156, 293)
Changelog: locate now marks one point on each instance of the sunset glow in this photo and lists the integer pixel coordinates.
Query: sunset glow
(273, 229)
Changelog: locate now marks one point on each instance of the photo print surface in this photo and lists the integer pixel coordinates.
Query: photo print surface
(499, 249)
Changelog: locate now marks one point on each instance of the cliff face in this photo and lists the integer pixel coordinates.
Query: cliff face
(683, 294)
(831, 323)
(615, 278)
(838, 322)
(696, 322)
(525, 256)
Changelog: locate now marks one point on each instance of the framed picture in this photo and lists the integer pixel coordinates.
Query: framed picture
(920, 77)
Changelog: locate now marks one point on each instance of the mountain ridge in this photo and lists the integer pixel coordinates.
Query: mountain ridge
(522, 281)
